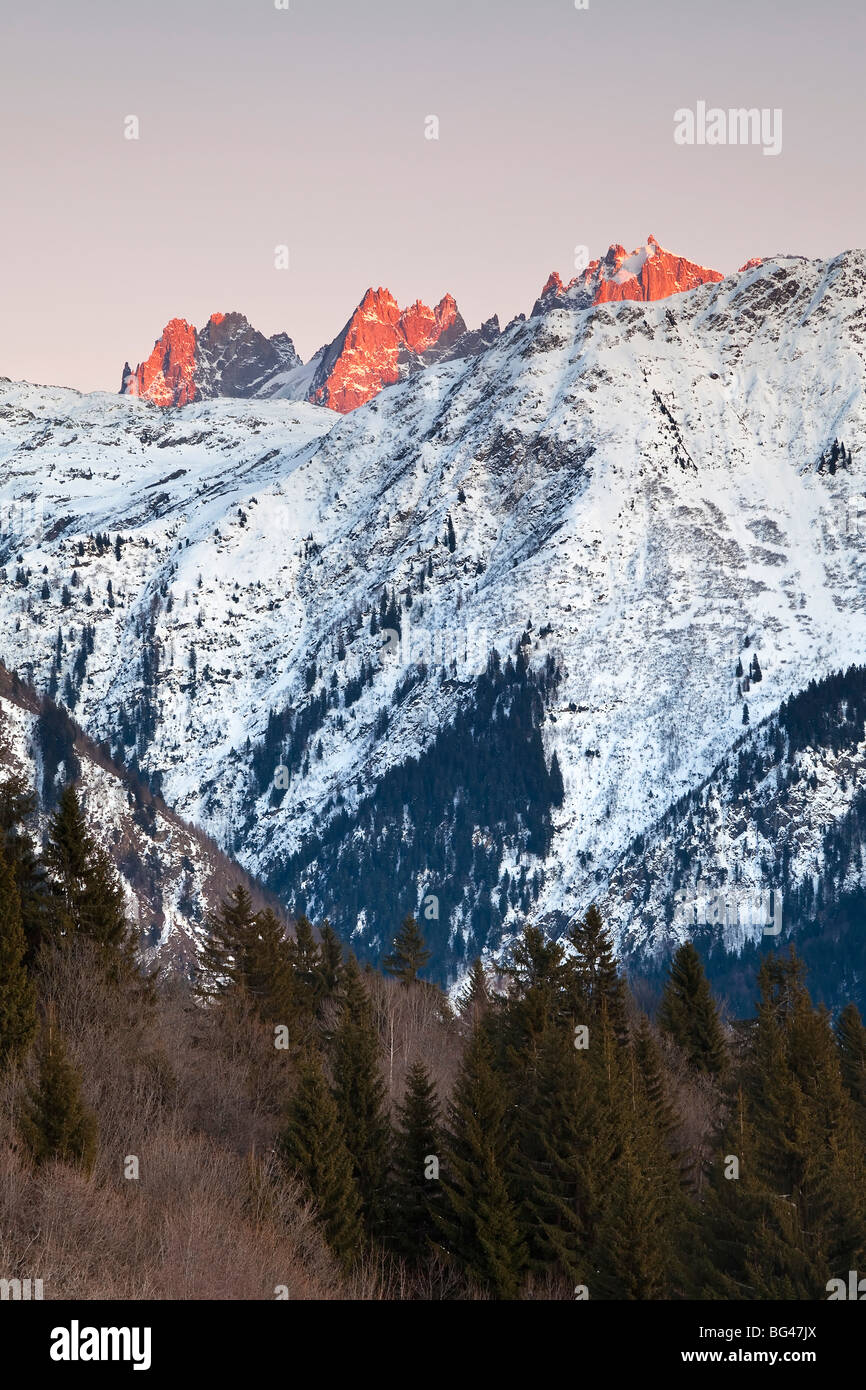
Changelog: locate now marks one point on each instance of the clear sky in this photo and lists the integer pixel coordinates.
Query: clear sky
(306, 127)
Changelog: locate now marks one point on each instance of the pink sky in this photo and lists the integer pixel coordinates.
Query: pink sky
(306, 127)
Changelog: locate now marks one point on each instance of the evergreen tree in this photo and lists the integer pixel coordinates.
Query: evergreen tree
(479, 1223)
(86, 894)
(599, 984)
(795, 1217)
(246, 953)
(313, 1148)
(649, 1062)
(415, 1195)
(331, 961)
(851, 1039)
(305, 960)
(640, 1228)
(55, 1122)
(475, 994)
(563, 1158)
(688, 1013)
(540, 995)
(17, 995)
(17, 806)
(409, 955)
(360, 1096)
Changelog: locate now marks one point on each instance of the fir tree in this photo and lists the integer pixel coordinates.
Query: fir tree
(563, 1156)
(360, 1096)
(599, 984)
(313, 1148)
(55, 1123)
(475, 994)
(17, 806)
(409, 955)
(305, 960)
(851, 1041)
(649, 1062)
(479, 1223)
(688, 1013)
(246, 953)
(330, 961)
(416, 1192)
(87, 898)
(17, 995)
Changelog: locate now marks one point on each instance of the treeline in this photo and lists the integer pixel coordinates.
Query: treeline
(293, 1121)
(443, 822)
(581, 1150)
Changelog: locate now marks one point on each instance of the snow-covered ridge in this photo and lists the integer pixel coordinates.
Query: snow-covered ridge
(640, 480)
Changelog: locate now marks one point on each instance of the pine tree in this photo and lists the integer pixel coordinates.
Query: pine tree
(475, 994)
(649, 1062)
(224, 956)
(640, 1227)
(88, 899)
(17, 995)
(556, 784)
(599, 984)
(17, 806)
(313, 1148)
(796, 1216)
(563, 1157)
(851, 1040)
(246, 954)
(409, 955)
(305, 960)
(479, 1224)
(55, 1123)
(359, 1093)
(331, 961)
(688, 1013)
(416, 1192)
(266, 969)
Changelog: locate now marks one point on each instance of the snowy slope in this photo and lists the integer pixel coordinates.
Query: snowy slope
(640, 478)
(171, 874)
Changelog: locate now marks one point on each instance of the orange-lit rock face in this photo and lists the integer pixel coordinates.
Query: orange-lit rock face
(378, 337)
(648, 273)
(750, 265)
(168, 375)
(227, 358)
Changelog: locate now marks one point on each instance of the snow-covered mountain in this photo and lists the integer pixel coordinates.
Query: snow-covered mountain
(650, 272)
(380, 344)
(172, 875)
(228, 357)
(634, 496)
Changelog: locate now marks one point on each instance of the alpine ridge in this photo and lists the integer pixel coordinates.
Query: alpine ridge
(381, 343)
(650, 510)
(648, 273)
(228, 357)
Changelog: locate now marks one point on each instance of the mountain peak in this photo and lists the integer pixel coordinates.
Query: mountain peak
(380, 344)
(228, 357)
(647, 273)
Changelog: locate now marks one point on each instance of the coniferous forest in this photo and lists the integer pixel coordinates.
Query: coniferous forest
(290, 1123)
